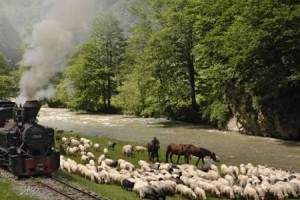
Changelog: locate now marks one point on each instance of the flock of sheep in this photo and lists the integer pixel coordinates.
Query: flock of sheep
(158, 180)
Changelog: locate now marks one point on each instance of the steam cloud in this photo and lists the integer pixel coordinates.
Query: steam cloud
(51, 40)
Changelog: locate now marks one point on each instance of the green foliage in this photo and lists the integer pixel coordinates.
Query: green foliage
(195, 61)
(91, 78)
(9, 79)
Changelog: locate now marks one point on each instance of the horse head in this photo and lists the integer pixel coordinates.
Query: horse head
(214, 157)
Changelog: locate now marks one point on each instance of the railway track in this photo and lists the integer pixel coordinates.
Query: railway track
(65, 190)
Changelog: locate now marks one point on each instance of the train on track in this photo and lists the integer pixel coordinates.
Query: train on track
(26, 148)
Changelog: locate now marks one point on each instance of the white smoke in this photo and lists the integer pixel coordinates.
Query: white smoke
(51, 40)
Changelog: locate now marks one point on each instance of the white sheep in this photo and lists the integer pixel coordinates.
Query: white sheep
(243, 170)
(127, 150)
(72, 150)
(104, 176)
(81, 147)
(92, 162)
(139, 187)
(64, 140)
(139, 149)
(238, 191)
(242, 180)
(227, 191)
(250, 192)
(261, 191)
(74, 143)
(101, 158)
(90, 155)
(185, 191)
(200, 193)
(97, 147)
(84, 158)
(110, 162)
(105, 151)
(230, 179)
(86, 146)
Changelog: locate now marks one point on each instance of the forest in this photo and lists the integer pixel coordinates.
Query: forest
(191, 60)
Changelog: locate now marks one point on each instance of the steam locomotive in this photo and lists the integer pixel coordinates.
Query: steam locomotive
(26, 148)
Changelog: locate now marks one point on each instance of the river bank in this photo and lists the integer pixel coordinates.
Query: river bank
(231, 147)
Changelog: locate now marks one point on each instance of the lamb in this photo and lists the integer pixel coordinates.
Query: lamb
(97, 147)
(105, 151)
(111, 145)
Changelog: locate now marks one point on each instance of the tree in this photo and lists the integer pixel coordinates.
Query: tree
(9, 79)
(164, 36)
(94, 66)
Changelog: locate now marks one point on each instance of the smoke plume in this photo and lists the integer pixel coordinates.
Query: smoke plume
(51, 40)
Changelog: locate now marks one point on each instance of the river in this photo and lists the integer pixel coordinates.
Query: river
(233, 148)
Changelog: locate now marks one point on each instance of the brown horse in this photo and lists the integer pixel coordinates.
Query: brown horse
(153, 149)
(200, 152)
(177, 149)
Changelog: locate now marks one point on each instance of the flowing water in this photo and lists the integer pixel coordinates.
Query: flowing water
(231, 147)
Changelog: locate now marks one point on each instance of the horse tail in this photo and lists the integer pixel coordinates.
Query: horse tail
(167, 153)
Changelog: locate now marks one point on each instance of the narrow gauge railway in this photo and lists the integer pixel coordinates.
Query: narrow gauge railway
(66, 190)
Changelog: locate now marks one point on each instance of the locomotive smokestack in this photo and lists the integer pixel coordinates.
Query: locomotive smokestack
(31, 109)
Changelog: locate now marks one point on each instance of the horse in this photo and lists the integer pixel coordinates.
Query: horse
(178, 149)
(200, 152)
(153, 149)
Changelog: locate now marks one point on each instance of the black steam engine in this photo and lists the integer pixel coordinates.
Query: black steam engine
(26, 147)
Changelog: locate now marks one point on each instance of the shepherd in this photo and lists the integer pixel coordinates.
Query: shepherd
(153, 148)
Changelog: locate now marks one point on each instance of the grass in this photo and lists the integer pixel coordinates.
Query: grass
(111, 191)
(6, 192)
